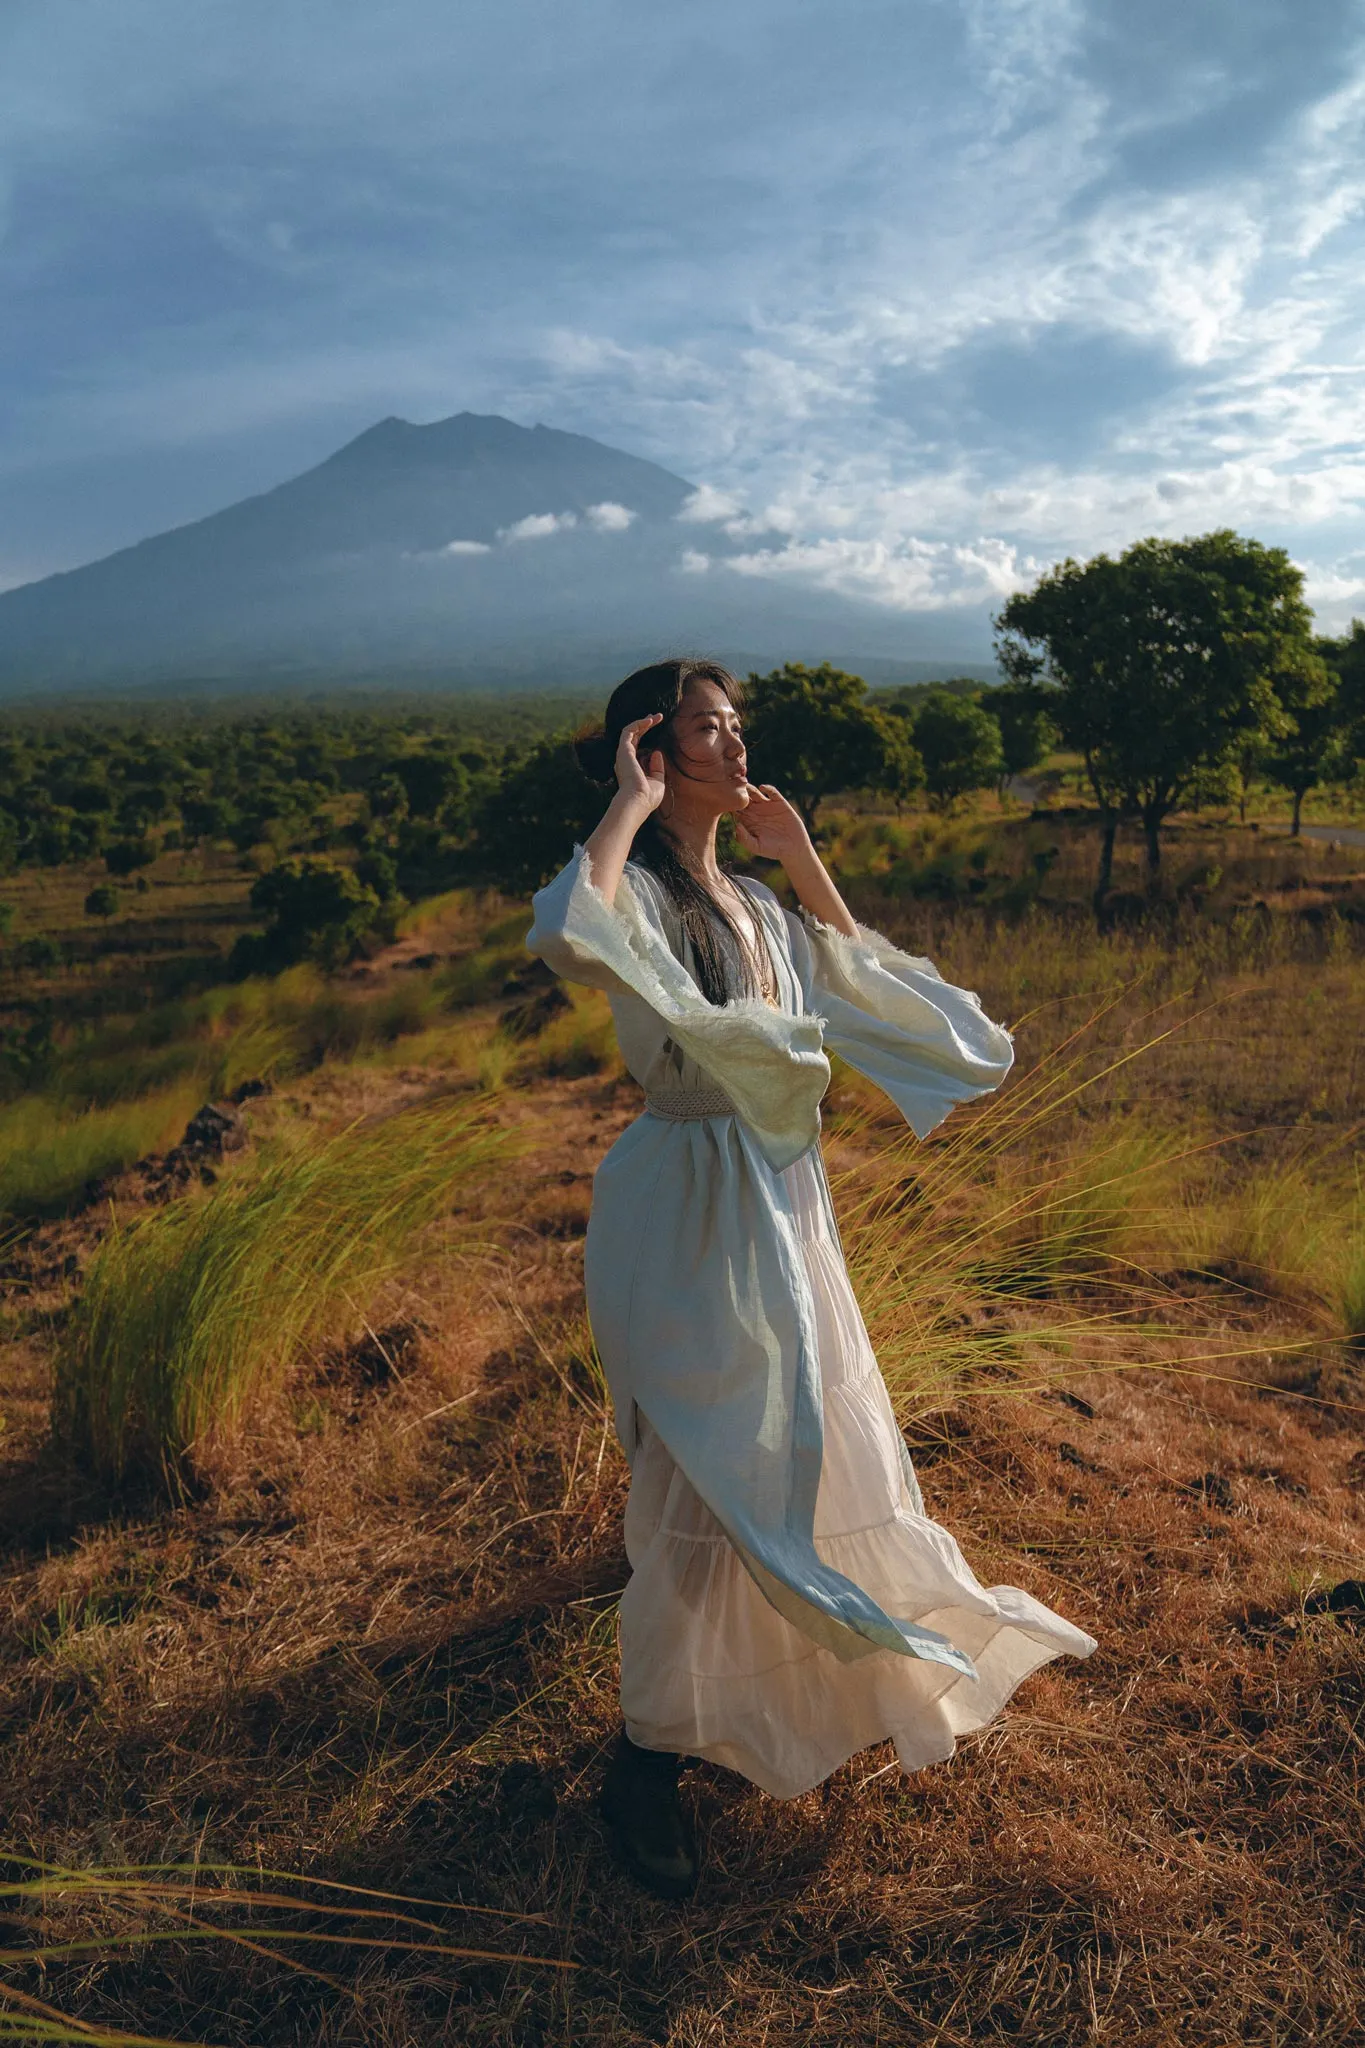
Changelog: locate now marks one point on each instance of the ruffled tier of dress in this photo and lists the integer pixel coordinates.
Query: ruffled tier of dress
(709, 1668)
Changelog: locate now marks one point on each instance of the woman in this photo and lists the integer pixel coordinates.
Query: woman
(790, 1603)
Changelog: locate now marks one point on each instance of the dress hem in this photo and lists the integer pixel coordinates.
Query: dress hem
(918, 1747)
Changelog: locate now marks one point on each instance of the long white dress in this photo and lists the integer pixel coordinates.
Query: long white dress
(790, 1602)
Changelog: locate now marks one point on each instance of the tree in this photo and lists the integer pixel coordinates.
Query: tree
(902, 769)
(1164, 660)
(1247, 762)
(959, 744)
(1310, 754)
(388, 797)
(437, 786)
(527, 823)
(318, 910)
(143, 804)
(810, 731)
(1028, 730)
(204, 817)
(1328, 735)
(102, 901)
(378, 870)
(127, 854)
(1346, 660)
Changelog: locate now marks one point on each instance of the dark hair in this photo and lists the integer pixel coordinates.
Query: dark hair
(722, 970)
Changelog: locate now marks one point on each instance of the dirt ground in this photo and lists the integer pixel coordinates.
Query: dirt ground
(378, 1651)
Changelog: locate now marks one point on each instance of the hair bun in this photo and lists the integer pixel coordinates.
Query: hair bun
(595, 755)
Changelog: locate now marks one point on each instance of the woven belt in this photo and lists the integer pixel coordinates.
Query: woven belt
(690, 1103)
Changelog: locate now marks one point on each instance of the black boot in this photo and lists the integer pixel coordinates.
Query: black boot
(639, 1801)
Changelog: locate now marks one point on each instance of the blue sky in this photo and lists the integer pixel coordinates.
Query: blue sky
(927, 293)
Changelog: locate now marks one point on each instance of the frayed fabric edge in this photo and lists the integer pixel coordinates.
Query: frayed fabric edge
(881, 951)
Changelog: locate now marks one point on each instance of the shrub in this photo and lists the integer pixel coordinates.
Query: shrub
(41, 952)
(124, 856)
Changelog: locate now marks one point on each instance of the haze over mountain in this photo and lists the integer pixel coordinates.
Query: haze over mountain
(471, 548)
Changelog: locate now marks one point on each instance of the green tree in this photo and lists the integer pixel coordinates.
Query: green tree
(902, 766)
(89, 793)
(318, 910)
(1246, 766)
(125, 855)
(959, 744)
(526, 826)
(205, 817)
(378, 870)
(102, 901)
(812, 732)
(1346, 660)
(1311, 754)
(437, 786)
(50, 838)
(388, 797)
(1028, 730)
(1164, 660)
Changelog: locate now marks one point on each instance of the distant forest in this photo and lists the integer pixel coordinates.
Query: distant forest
(1181, 674)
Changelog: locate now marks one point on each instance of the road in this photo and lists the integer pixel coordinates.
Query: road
(1345, 835)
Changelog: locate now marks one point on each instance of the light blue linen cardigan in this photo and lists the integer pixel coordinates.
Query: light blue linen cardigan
(696, 1283)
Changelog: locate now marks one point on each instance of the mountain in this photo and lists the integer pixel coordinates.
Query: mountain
(471, 549)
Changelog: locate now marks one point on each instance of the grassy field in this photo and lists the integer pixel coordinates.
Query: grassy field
(359, 1630)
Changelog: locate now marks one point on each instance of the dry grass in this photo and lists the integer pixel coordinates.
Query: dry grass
(379, 1649)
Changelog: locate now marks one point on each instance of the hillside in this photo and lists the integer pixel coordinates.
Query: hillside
(374, 1646)
(472, 547)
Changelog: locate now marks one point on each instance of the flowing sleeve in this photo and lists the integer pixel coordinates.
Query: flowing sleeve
(926, 1044)
(770, 1063)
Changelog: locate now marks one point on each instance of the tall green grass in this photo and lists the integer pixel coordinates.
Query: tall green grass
(1026, 1237)
(47, 1153)
(129, 1087)
(198, 1311)
(1285, 1233)
(1002, 1243)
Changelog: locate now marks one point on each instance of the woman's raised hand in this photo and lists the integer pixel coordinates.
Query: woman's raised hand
(637, 783)
(771, 827)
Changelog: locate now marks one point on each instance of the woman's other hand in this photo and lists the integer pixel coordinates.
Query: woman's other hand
(640, 782)
(771, 827)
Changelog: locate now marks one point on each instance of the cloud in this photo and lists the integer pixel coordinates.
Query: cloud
(609, 517)
(606, 517)
(907, 574)
(693, 563)
(466, 547)
(1336, 590)
(949, 290)
(707, 506)
(538, 526)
